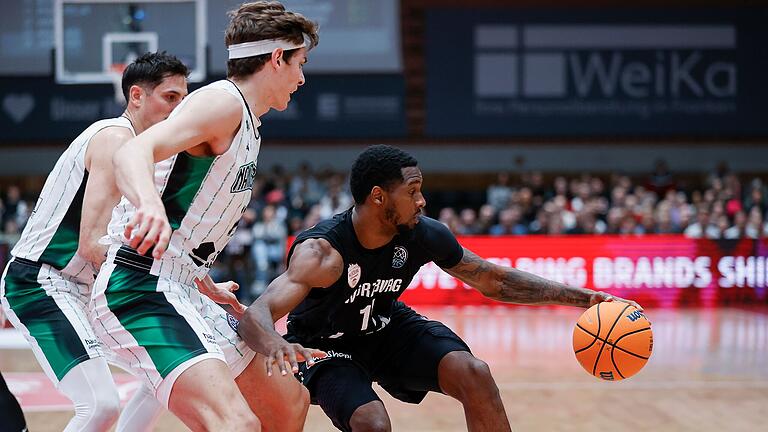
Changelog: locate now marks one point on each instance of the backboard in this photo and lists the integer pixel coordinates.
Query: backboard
(93, 38)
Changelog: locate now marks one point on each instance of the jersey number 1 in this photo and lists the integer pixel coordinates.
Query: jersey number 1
(366, 313)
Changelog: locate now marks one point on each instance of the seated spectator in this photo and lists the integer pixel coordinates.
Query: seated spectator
(555, 225)
(614, 220)
(702, 228)
(14, 208)
(337, 199)
(541, 223)
(585, 224)
(629, 226)
(755, 224)
(739, 227)
(449, 218)
(468, 222)
(509, 223)
(269, 237)
(305, 186)
(486, 219)
(499, 194)
(756, 196)
(721, 225)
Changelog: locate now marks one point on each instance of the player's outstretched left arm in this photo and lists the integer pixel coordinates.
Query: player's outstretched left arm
(514, 286)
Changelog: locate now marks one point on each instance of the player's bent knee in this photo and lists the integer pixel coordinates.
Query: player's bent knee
(477, 371)
(304, 397)
(96, 406)
(294, 411)
(107, 407)
(466, 376)
(377, 424)
(371, 417)
(300, 404)
(97, 416)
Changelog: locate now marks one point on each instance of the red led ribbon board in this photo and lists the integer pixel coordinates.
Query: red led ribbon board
(657, 271)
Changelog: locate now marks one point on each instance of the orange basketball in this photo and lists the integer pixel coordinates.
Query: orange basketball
(612, 340)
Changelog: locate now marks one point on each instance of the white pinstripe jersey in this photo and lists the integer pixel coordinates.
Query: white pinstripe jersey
(52, 233)
(204, 198)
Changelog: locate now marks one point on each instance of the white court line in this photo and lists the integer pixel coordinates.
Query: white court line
(636, 385)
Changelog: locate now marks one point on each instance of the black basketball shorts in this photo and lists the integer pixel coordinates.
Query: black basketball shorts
(403, 358)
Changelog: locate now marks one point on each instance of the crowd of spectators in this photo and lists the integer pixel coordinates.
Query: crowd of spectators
(722, 205)
(14, 212)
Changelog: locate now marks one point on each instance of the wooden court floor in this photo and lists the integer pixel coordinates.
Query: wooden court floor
(708, 372)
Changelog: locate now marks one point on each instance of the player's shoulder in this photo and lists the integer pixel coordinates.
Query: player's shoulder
(109, 136)
(109, 127)
(222, 91)
(428, 227)
(314, 247)
(214, 100)
(333, 226)
(437, 242)
(316, 254)
(115, 132)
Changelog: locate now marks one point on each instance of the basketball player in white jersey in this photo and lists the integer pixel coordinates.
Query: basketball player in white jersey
(46, 286)
(186, 183)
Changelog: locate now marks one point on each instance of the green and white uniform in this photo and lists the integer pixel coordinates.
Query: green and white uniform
(149, 311)
(46, 287)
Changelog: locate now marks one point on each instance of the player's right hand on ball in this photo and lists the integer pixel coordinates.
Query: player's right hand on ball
(153, 230)
(292, 354)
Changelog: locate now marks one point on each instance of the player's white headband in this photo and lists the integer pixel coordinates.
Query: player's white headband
(266, 46)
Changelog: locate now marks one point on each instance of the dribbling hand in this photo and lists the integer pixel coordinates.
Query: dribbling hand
(153, 230)
(292, 354)
(600, 297)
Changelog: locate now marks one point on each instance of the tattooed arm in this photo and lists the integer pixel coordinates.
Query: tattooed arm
(514, 286)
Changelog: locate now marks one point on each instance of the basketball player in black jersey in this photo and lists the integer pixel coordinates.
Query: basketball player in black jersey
(341, 287)
(11, 416)
(10, 411)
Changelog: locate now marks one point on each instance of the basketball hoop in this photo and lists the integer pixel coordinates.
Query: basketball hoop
(116, 74)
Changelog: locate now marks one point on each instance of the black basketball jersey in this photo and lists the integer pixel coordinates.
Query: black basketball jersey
(362, 300)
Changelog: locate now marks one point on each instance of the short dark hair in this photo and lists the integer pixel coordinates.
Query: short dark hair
(378, 165)
(150, 69)
(261, 20)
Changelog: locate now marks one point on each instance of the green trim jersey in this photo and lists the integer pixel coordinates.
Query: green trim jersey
(204, 199)
(52, 232)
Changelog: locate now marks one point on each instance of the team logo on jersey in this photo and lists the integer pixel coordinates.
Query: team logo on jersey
(233, 322)
(353, 275)
(246, 176)
(201, 255)
(400, 257)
